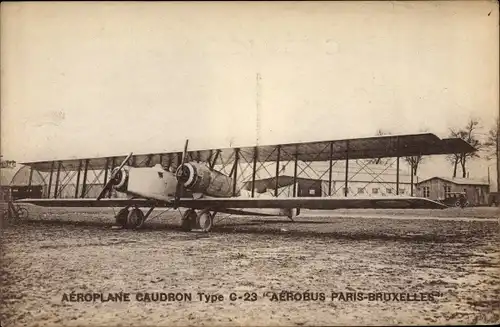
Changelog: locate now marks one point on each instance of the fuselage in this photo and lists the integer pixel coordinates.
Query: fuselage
(158, 183)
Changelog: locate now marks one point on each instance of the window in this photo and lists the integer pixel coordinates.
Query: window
(361, 190)
(375, 190)
(401, 191)
(312, 191)
(389, 191)
(447, 190)
(427, 191)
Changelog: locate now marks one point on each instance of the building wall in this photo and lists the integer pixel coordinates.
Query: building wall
(310, 189)
(68, 191)
(5, 194)
(476, 194)
(362, 188)
(364, 180)
(355, 188)
(436, 189)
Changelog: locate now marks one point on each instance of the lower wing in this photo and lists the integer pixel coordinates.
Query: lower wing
(316, 203)
(228, 204)
(123, 202)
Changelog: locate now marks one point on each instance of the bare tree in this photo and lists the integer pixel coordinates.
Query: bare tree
(491, 143)
(469, 134)
(471, 137)
(415, 161)
(454, 159)
(492, 146)
(7, 163)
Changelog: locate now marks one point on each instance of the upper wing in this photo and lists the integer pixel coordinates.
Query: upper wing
(220, 204)
(358, 148)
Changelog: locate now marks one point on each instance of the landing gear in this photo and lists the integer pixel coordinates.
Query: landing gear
(22, 213)
(121, 217)
(132, 218)
(188, 220)
(204, 220)
(135, 218)
(14, 212)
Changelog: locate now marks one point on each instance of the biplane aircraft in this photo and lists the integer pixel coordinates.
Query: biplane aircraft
(198, 180)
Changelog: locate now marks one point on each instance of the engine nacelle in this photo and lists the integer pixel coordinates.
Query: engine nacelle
(198, 178)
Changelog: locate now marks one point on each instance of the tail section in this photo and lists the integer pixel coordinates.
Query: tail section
(290, 212)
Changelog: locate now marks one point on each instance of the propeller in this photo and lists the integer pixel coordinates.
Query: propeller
(113, 175)
(180, 184)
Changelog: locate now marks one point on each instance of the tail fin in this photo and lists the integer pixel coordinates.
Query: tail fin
(290, 212)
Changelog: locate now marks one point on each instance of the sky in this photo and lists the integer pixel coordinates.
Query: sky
(98, 79)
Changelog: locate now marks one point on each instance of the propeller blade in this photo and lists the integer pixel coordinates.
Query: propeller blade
(180, 185)
(113, 175)
(184, 154)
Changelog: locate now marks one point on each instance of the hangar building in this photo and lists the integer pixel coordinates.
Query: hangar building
(14, 186)
(438, 188)
(363, 180)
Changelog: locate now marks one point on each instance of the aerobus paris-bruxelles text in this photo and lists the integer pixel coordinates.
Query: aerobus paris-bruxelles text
(282, 296)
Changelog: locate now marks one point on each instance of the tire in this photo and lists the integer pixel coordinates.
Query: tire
(205, 221)
(22, 213)
(186, 225)
(188, 218)
(121, 217)
(135, 218)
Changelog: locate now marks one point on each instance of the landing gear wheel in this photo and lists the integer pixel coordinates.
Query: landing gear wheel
(121, 217)
(22, 213)
(188, 219)
(135, 218)
(205, 220)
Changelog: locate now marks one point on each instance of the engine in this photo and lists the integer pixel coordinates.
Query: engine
(120, 180)
(198, 178)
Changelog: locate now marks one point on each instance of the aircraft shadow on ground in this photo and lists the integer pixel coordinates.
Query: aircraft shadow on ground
(249, 228)
(271, 222)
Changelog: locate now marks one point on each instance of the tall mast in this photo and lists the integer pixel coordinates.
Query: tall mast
(258, 96)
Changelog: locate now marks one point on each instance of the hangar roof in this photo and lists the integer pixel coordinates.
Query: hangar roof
(456, 180)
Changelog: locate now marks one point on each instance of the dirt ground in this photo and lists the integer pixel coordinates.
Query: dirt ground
(451, 256)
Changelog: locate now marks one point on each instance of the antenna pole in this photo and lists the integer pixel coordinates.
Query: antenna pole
(258, 107)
